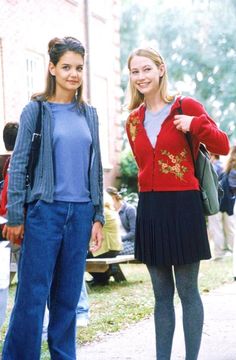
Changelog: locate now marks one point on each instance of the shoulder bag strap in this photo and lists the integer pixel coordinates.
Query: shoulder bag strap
(35, 147)
(188, 138)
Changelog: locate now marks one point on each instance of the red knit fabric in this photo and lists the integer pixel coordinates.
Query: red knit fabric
(169, 166)
(3, 199)
(3, 202)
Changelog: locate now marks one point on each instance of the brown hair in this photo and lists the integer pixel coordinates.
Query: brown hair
(9, 135)
(113, 191)
(56, 49)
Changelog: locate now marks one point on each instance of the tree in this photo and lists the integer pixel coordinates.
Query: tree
(197, 40)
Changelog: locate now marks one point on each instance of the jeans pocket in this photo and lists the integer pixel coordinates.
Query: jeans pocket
(32, 207)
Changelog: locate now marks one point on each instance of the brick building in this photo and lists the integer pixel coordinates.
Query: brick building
(26, 26)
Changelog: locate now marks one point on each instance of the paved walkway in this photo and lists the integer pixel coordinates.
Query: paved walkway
(138, 343)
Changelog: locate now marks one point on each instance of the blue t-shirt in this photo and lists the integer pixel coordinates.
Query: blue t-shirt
(71, 153)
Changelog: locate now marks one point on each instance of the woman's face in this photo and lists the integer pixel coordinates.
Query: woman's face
(145, 75)
(68, 72)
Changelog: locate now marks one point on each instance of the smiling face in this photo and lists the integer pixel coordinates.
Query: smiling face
(145, 75)
(68, 72)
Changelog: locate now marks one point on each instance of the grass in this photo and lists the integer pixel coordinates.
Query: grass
(118, 305)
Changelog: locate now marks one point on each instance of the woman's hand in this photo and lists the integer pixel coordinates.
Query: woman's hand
(183, 122)
(96, 237)
(13, 233)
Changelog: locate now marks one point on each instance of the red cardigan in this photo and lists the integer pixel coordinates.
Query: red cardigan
(169, 166)
(3, 197)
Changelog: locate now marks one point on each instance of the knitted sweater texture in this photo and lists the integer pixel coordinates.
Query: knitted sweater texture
(168, 166)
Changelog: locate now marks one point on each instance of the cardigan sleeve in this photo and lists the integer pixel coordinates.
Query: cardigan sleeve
(18, 165)
(204, 129)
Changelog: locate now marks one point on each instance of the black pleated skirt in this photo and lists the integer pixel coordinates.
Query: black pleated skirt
(171, 228)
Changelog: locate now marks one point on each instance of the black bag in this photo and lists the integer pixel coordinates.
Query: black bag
(35, 148)
(211, 190)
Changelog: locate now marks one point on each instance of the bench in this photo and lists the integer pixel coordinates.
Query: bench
(97, 265)
(102, 265)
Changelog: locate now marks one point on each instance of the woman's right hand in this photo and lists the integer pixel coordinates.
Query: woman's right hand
(13, 233)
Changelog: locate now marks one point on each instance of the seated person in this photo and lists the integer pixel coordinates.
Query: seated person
(9, 137)
(111, 245)
(127, 214)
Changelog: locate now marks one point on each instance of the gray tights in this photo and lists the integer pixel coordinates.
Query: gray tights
(186, 279)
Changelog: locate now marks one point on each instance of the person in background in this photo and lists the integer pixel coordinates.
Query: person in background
(111, 245)
(171, 235)
(220, 226)
(9, 137)
(226, 234)
(217, 163)
(127, 214)
(4, 279)
(64, 207)
(82, 310)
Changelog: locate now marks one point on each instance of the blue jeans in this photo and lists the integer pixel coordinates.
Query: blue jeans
(82, 310)
(3, 305)
(51, 266)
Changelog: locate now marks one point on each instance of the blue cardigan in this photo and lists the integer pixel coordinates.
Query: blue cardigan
(127, 215)
(43, 188)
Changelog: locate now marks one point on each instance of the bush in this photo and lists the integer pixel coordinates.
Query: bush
(128, 172)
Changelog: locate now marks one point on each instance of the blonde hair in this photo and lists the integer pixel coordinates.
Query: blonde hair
(135, 97)
(231, 162)
(107, 200)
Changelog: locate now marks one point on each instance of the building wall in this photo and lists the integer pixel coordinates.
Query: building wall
(26, 26)
(104, 51)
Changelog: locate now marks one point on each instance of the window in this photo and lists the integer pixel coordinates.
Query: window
(35, 73)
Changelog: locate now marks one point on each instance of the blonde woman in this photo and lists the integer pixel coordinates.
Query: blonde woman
(111, 245)
(127, 215)
(171, 237)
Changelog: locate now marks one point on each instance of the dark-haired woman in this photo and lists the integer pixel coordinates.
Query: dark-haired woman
(64, 208)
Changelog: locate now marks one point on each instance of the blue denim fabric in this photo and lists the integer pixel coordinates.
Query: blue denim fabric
(3, 305)
(51, 266)
(82, 310)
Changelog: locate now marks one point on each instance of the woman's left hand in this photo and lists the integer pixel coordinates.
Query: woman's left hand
(96, 237)
(183, 122)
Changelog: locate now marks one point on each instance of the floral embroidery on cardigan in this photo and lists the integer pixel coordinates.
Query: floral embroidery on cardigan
(133, 122)
(175, 167)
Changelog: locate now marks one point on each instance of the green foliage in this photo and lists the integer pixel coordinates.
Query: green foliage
(197, 40)
(128, 171)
